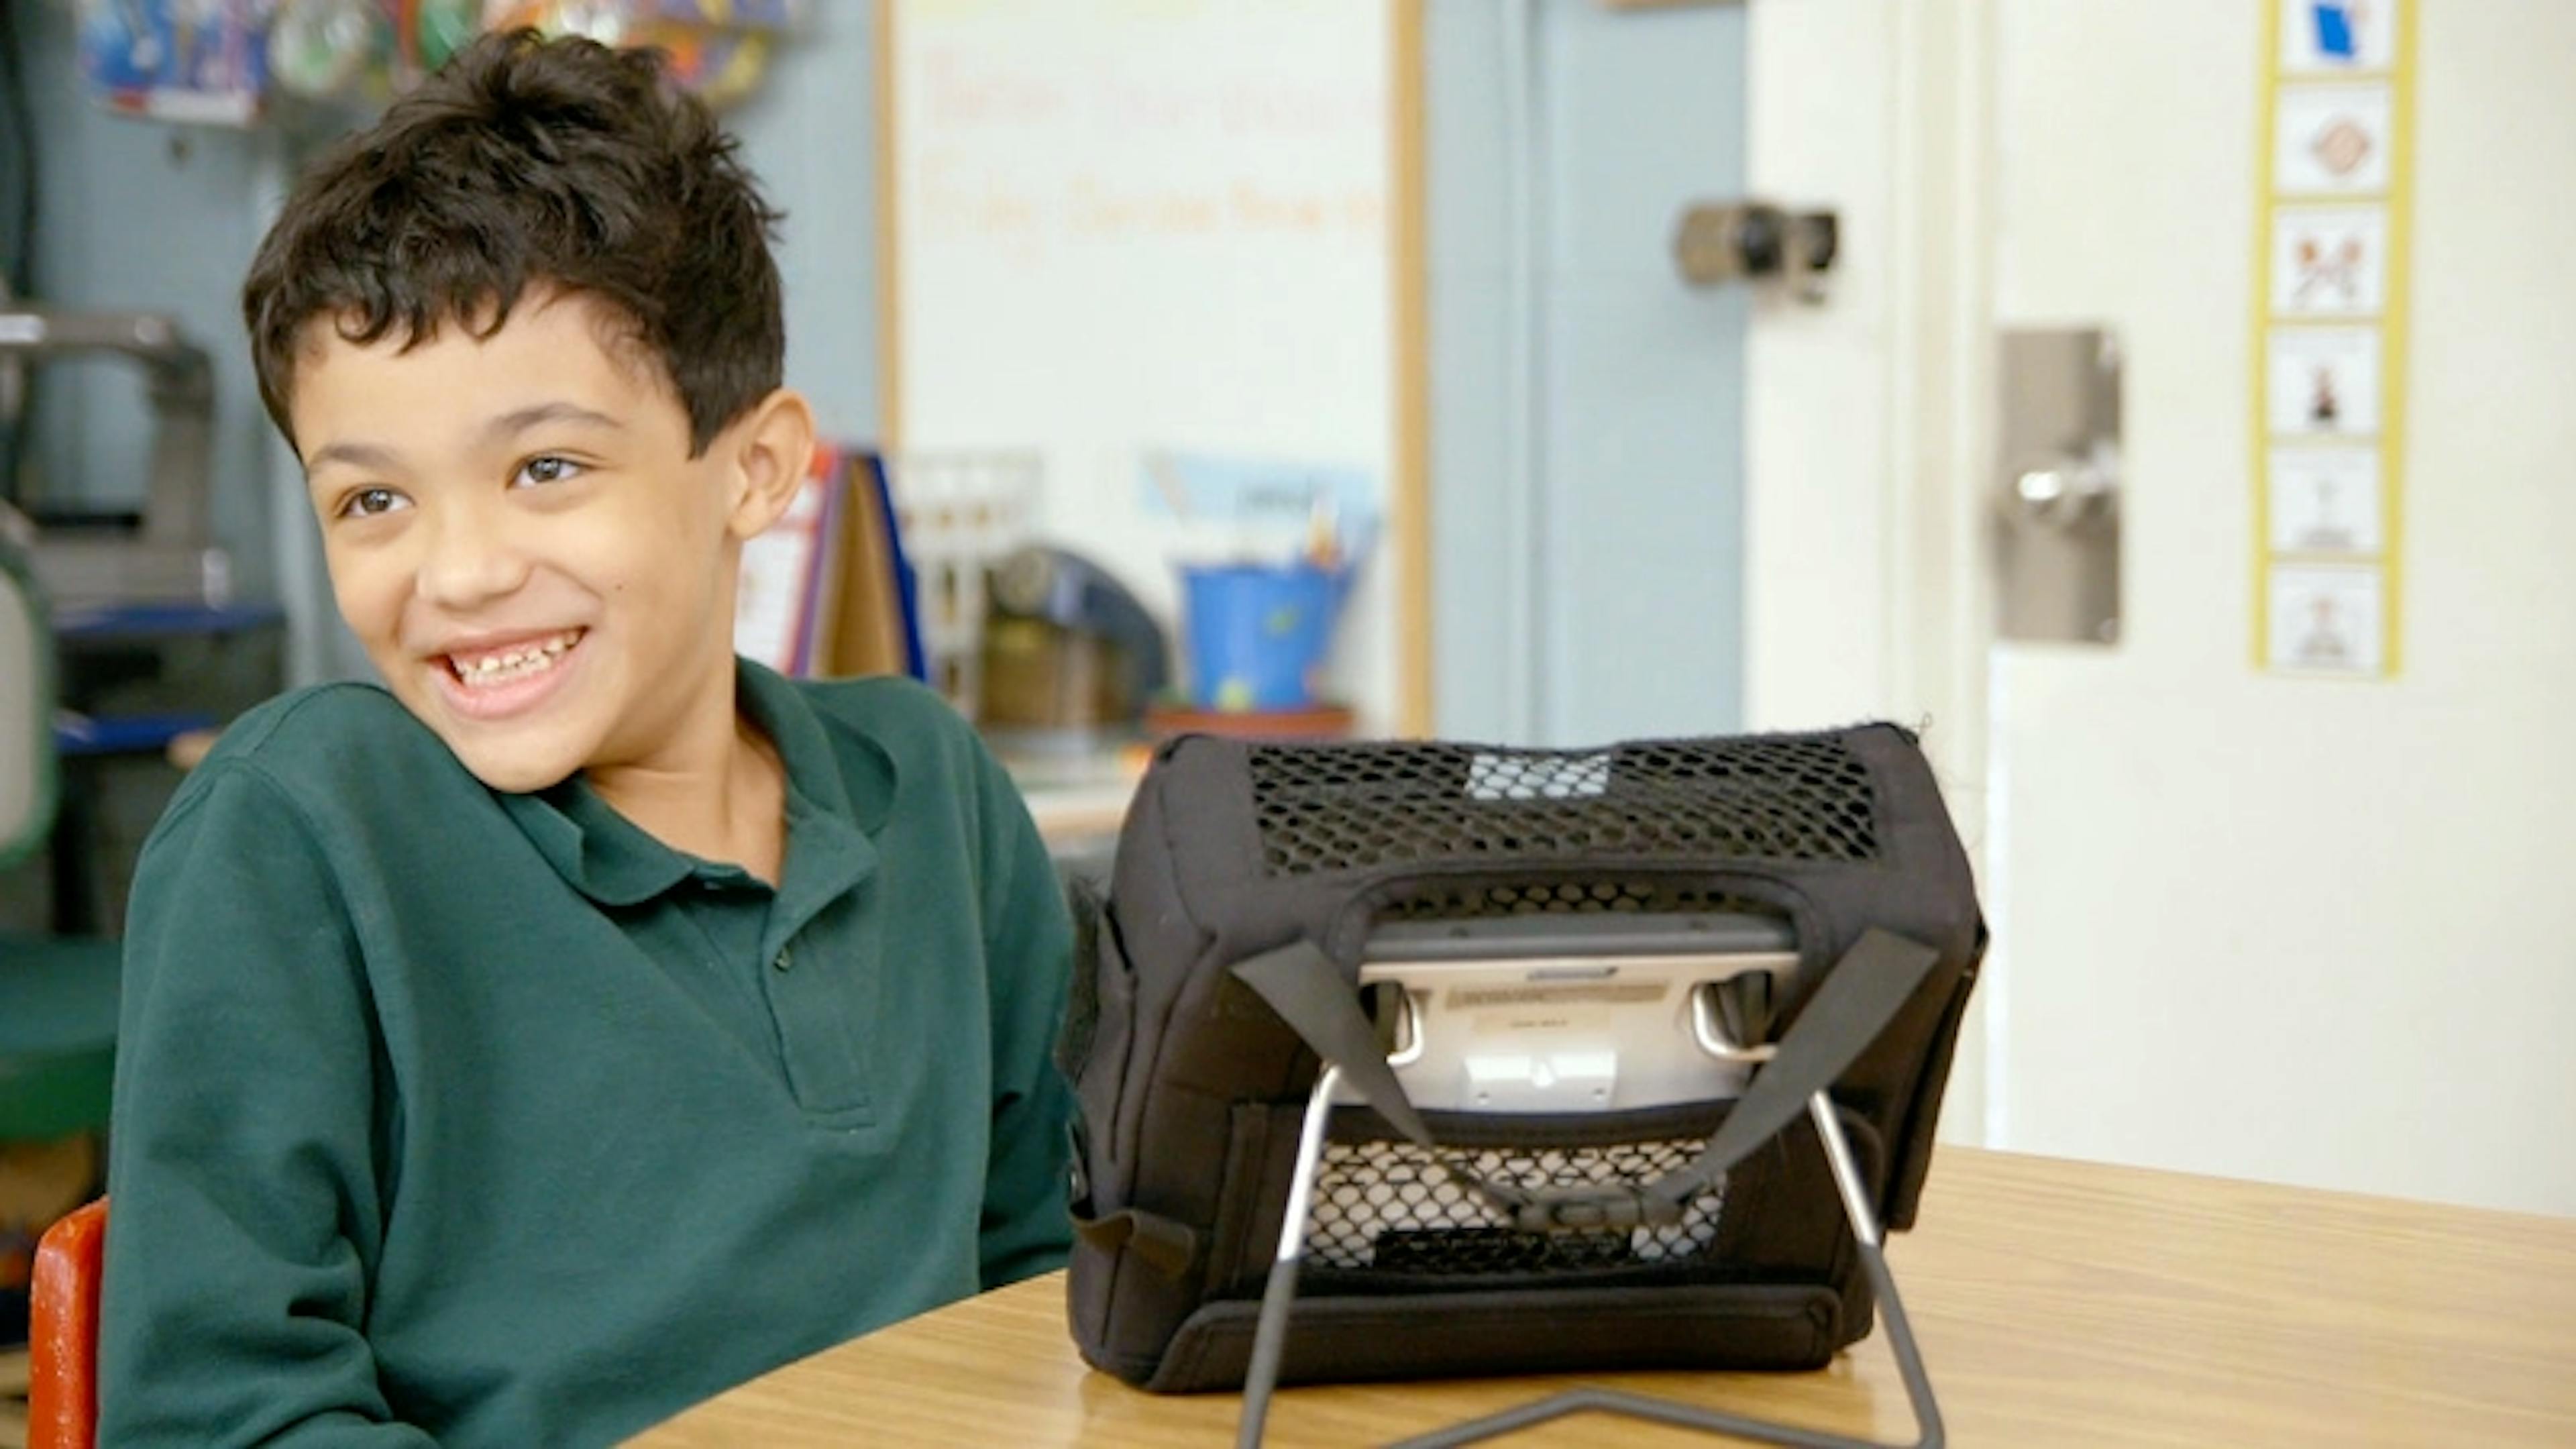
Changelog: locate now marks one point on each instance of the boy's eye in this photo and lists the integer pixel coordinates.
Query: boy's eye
(548, 469)
(369, 502)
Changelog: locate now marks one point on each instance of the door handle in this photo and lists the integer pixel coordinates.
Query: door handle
(2071, 493)
(2058, 495)
(1759, 242)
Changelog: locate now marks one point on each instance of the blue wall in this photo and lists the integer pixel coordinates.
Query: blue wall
(811, 136)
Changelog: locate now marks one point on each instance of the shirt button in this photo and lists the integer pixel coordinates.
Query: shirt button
(786, 959)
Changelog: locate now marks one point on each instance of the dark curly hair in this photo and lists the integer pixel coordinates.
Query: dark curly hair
(527, 162)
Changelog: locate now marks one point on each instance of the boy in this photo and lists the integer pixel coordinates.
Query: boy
(586, 1021)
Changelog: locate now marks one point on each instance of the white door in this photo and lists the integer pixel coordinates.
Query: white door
(2313, 930)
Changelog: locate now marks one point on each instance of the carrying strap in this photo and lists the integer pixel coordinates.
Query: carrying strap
(1308, 991)
(1172, 1247)
(1859, 997)
(1855, 1002)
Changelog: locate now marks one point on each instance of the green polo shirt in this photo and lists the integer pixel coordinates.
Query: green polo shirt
(450, 1115)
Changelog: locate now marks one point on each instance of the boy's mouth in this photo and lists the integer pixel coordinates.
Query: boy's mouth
(491, 668)
(502, 681)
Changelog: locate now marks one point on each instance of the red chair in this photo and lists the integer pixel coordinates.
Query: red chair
(62, 1323)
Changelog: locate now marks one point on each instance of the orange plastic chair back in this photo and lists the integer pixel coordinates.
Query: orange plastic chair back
(62, 1349)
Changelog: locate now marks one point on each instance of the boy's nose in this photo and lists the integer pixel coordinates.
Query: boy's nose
(471, 559)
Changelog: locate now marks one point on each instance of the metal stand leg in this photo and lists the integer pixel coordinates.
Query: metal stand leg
(1270, 1334)
(1900, 1338)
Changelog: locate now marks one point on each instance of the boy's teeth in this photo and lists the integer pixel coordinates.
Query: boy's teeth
(514, 663)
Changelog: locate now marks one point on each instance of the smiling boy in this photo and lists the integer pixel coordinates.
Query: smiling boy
(586, 1020)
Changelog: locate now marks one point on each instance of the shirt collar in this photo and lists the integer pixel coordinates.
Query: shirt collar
(835, 808)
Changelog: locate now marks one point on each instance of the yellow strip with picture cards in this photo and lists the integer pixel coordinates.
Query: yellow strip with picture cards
(2329, 352)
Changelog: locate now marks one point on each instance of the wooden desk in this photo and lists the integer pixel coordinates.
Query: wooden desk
(1068, 816)
(1078, 801)
(2058, 1303)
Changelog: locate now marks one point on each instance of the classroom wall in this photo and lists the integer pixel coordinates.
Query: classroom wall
(133, 215)
(1557, 571)
(810, 135)
(140, 214)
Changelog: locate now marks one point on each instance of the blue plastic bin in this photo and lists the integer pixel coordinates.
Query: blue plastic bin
(1257, 633)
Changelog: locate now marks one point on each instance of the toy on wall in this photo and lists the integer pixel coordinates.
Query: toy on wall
(222, 60)
(320, 49)
(718, 48)
(327, 49)
(179, 60)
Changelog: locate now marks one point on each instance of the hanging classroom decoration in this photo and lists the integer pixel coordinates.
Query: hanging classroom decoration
(227, 61)
(200, 61)
(718, 48)
(2329, 336)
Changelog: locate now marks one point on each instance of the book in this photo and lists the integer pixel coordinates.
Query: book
(867, 633)
(789, 574)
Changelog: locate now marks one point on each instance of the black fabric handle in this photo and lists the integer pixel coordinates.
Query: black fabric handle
(1862, 993)
(1303, 985)
(1170, 1246)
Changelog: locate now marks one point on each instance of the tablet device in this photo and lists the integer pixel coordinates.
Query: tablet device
(1557, 1013)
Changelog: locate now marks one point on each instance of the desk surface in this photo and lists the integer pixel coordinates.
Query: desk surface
(2059, 1303)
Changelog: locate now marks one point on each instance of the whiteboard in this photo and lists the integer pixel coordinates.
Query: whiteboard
(1118, 228)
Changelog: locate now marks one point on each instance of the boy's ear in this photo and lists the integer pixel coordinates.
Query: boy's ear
(772, 449)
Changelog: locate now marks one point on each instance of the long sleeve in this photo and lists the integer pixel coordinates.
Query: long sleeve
(1028, 935)
(245, 1203)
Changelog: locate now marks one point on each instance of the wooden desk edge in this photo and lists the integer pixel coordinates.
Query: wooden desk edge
(2057, 1298)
